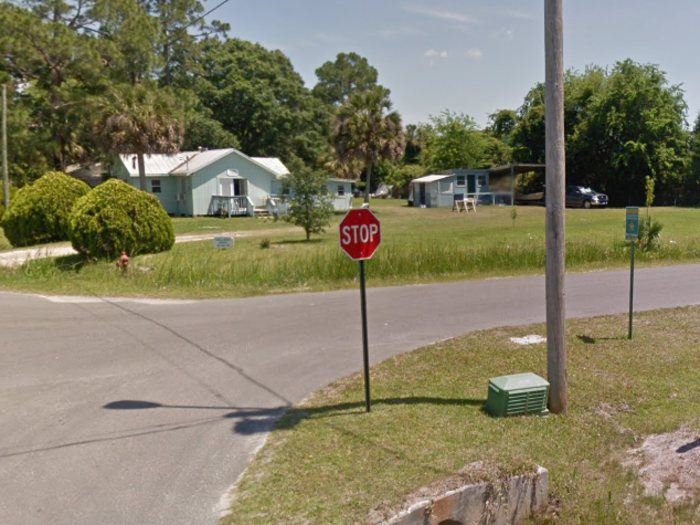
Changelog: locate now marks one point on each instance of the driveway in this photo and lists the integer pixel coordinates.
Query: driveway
(146, 412)
(18, 257)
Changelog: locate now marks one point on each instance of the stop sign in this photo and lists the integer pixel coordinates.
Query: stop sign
(360, 234)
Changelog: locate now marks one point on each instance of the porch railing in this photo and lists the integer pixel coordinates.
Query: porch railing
(231, 205)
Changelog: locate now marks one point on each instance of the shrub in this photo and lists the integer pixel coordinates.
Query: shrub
(116, 217)
(13, 192)
(41, 212)
(649, 234)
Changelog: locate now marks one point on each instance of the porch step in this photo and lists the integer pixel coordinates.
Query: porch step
(262, 212)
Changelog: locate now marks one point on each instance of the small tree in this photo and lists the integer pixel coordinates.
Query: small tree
(310, 204)
(649, 229)
(513, 214)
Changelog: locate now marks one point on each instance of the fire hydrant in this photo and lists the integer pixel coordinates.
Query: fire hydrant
(123, 262)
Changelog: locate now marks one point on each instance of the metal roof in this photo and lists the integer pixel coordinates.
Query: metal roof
(272, 164)
(431, 178)
(188, 162)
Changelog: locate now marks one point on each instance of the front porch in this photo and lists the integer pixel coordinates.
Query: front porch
(231, 206)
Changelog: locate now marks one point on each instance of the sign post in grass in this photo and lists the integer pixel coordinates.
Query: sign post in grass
(360, 236)
(631, 234)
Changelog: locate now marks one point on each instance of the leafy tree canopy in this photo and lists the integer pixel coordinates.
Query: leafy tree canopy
(258, 97)
(366, 130)
(621, 125)
(453, 141)
(337, 80)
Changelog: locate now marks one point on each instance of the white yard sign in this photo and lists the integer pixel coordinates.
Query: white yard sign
(223, 243)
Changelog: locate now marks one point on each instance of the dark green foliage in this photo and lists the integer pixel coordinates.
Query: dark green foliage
(338, 80)
(258, 97)
(401, 177)
(367, 131)
(453, 141)
(13, 192)
(649, 234)
(117, 217)
(41, 212)
(311, 205)
(621, 126)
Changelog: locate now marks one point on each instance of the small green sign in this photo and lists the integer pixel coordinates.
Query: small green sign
(632, 223)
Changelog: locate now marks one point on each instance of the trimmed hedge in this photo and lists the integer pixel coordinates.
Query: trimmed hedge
(116, 217)
(40, 213)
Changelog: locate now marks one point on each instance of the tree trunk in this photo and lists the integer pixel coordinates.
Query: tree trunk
(368, 178)
(556, 230)
(142, 172)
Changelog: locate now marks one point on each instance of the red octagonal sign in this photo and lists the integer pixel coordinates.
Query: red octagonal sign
(360, 234)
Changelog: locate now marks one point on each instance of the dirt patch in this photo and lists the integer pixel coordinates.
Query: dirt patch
(669, 465)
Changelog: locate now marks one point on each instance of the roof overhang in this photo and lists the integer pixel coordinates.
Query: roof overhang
(516, 169)
(431, 178)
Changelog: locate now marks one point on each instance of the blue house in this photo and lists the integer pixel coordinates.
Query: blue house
(216, 182)
(486, 186)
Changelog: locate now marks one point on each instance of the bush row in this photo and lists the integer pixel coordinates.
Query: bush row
(100, 223)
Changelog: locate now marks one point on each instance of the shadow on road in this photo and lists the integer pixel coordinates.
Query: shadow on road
(249, 420)
(255, 420)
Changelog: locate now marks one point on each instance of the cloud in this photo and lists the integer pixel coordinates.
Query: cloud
(433, 53)
(475, 53)
(504, 32)
(443, 15)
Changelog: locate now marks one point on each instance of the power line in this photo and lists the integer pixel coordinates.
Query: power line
(198, 19)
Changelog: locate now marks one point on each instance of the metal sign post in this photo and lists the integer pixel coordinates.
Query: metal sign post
(631, 234)
(360, 236)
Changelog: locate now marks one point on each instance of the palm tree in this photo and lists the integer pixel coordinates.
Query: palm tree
(366, 129)
(143, 120)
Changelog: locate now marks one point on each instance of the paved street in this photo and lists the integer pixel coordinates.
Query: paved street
(146, 412)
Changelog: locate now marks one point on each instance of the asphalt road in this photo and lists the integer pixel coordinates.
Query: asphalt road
(146, 412)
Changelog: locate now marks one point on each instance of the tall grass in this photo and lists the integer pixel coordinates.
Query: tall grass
(195, 269)
(417, 247)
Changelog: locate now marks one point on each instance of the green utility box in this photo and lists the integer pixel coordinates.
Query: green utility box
(517, 394)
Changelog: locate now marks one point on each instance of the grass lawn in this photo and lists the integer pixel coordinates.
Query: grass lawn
(418, 246)
(327, 461)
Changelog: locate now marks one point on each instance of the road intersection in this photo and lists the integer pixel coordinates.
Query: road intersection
(146, 411)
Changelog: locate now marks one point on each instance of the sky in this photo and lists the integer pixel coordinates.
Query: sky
(471, 56)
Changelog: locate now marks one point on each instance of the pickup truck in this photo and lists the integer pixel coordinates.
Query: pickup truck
(583, 197)
(576, 196)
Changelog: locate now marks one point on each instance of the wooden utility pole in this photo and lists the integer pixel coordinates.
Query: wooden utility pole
(555, 183)
(5, 179)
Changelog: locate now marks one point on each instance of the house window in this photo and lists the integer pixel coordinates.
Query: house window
(461, 180)
(155, 186)
(341, 190)
(481, 180)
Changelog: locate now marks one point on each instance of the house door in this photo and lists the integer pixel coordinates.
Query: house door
(232, 187)
(471, 184)
(421, 198)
